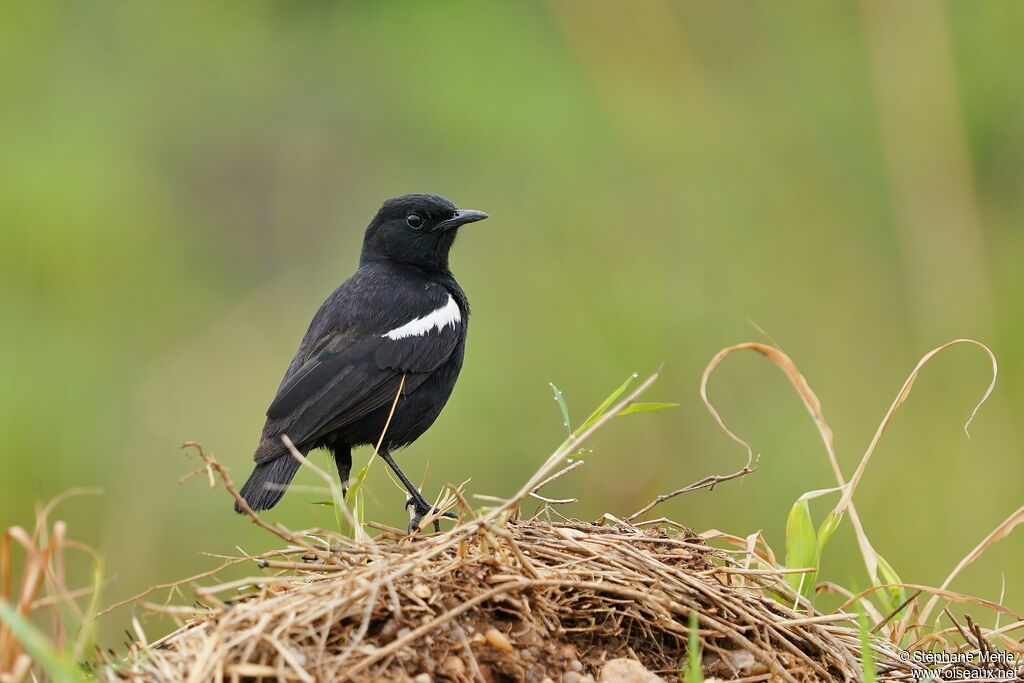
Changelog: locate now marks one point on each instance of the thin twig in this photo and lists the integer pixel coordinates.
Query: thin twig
(277, 529)
(706, 483)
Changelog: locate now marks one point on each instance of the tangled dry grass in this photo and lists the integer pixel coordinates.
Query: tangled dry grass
(517, 602)
(503, 598)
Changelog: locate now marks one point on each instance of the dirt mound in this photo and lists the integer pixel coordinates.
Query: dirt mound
(523, 601)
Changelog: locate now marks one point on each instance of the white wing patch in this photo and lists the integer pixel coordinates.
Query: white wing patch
(446, 315)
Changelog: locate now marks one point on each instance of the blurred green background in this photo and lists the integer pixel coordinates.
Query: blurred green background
(182, 184)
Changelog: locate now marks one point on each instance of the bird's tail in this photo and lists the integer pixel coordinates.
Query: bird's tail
(268, 482)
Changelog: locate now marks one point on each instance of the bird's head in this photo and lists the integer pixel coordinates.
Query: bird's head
(415, 229)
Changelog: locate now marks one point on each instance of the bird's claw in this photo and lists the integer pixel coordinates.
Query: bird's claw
(418, 509)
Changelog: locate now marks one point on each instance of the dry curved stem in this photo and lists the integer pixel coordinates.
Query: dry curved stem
(901, 397)
(813, 405)
(947, 594)
(384, 431)
(846, 502)
(996, 535)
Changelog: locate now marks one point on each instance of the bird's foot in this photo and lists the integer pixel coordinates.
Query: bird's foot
(419, 508)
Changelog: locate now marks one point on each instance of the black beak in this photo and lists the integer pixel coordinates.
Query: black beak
(461, 217)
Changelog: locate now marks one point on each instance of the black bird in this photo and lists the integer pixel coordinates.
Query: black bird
(401, 315)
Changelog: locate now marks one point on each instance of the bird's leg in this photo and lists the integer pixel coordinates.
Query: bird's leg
(419, 504)
(343, 460)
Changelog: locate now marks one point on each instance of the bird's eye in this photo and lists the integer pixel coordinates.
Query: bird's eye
(414, 220)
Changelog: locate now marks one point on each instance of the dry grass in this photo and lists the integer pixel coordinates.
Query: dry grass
(518, 601)
(42, 592)
(502, 598)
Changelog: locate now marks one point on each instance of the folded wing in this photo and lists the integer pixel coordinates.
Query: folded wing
(355, 369)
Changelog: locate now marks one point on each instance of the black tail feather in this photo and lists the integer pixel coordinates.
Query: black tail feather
(268, 482)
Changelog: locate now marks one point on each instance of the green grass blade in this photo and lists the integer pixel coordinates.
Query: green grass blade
(694, 672)
(354, 499)
(563, 406)
(56, 664)
(867, 655)
(605, 405)
(87, 633)
(338, 500)
(360, 509)
(827, 528)
(896, 595)
(801, 547)
(645, 407)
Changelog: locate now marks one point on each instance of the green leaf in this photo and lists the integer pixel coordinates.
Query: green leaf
(645, 407)
(694, 672)
(825, 531)
(867, 655)
(562, 406)
(354, 498)
(896, 595)
(58, 665)
(801, 547)
(605, 405)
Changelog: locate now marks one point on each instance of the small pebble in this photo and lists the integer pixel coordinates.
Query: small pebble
(423, 678)
(421, 591)
(575, 665)
(624, 670)
(389, 629)
(498, 640)
(452, 666)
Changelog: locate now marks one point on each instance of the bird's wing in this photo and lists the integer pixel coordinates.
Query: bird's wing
(351, 371)
(329, 361)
